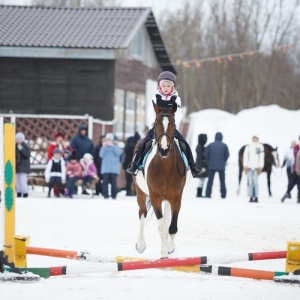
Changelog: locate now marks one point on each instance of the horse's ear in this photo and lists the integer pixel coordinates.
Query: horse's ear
(156, 108)
(174, 107)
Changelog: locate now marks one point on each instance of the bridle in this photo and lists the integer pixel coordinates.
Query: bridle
(157, 138)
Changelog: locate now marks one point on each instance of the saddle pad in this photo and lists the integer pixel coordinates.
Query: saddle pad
(183, 156)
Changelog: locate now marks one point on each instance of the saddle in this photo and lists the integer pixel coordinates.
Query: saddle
(180, 147)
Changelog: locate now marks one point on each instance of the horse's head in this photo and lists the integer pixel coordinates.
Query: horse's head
(164, 127)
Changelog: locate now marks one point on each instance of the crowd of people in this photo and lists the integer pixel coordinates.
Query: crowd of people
(215, 155)
(76, 162)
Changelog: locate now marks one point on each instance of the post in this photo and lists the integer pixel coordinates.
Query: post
(9, 190)
(1, 196)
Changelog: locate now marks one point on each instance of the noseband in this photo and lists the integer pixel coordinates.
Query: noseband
(171, 140)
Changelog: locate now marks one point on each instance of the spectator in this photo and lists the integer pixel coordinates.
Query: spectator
(253, 161)
(217, 154)
(110, 167)
(81, 143)
(128, 156)
(67, 155)
(97, 162)
(288, 161)
(74, 172)
(295, 180)
(201, 161)
(58, 143)
(55, 173)
(22, 165)
(89, 172)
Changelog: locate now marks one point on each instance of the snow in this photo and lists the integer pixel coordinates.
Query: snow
(207, 227)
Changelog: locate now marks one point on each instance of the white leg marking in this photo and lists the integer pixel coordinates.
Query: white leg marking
(140, 244)
(163, 231)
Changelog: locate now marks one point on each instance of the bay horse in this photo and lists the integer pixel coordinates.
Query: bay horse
(163, 180)
(271, 159)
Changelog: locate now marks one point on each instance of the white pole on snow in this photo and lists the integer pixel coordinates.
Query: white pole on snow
(2, 204)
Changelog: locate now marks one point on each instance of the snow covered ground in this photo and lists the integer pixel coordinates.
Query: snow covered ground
(207, 227)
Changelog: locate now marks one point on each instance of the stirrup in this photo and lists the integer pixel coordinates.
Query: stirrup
(132, 169)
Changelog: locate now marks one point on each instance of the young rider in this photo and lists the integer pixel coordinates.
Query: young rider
(164, 97)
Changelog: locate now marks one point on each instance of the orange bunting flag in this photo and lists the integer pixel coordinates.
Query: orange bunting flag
(219, 60)
(229, 58)
(198, 63)
(186, 65)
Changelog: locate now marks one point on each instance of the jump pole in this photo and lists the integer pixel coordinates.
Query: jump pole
(240, 272)
(86, 256)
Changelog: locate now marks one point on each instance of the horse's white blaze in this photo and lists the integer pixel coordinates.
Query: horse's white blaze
(164, 143)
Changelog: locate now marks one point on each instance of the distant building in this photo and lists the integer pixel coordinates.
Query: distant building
(76, 61)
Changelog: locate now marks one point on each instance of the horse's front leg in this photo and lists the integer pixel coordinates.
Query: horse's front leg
(163, 225)
(173, 226)
(141, 199)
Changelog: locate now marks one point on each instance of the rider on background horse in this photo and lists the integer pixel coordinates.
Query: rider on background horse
(165, 96)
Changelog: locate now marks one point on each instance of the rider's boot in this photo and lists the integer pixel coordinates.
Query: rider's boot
(133, 166)
(195, 169)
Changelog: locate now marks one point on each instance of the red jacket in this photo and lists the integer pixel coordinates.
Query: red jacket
(54, 146)
(73, 169)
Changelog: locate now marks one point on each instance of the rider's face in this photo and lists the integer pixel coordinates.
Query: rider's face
(166, 87)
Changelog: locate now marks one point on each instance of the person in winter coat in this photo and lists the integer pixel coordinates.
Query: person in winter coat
(58, 143)
(128, 156)
(97, 162)
(253, 162)
(89, 172)
(73, 172)
(22, 165)
(288, 161)
(81, 143)
(201, 161)
(110, 154)
(165, 96)
(295, 179)
(217, 154)
(55, 173)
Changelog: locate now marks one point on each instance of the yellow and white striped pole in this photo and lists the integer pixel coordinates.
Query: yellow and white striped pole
(9, 190)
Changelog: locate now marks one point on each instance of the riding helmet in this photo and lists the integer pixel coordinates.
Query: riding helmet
(166, 75)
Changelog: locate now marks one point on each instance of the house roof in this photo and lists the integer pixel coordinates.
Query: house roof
(53, 27)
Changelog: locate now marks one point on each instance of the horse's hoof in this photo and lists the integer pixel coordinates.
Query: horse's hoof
(165, 257)
(171, 251)
(140, 249)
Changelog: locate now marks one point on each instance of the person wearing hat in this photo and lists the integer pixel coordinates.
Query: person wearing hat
(55, 173)
(81, 143)
(110, 154)
(22, 165)
(89, 172)
(73, 173)
(58, 143)
(165, 96)
(253, 162)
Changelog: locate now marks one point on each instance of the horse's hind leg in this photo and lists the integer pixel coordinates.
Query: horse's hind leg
(141, 199)
(269, 183)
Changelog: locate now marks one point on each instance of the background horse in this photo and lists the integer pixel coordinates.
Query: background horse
(163, 179)
(271, 159)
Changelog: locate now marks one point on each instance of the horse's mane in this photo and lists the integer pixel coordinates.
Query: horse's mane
(270, 147)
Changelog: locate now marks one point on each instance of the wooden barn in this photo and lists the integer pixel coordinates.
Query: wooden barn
(77, 61)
